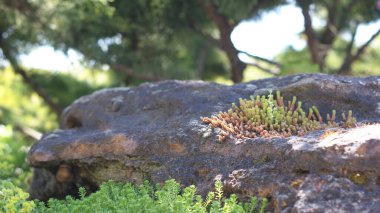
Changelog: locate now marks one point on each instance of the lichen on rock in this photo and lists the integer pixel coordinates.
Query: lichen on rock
(269, 117)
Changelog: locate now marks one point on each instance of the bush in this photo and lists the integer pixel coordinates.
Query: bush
(13, 151)
(118, 197)
(13, 199)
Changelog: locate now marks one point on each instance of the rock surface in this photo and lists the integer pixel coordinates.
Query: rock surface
(154, 132)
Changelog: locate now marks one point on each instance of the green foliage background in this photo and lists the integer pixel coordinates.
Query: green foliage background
(21, 108)
(13, 150)
(298, 61)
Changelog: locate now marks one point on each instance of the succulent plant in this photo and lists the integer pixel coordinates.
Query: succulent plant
(263, 116)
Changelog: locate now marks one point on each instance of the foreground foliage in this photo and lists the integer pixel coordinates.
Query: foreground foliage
(118, 197)
(13, 150)
(14, 199)
(268, 116)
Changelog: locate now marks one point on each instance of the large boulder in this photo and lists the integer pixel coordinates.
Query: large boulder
(154, 132)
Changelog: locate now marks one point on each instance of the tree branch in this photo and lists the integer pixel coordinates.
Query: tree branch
(209, 38)
(270, 71)
(16, 67)
(261, 59)
(330, 32)
(36, 135)
(365, 45)
(352, 41)
(346, 66)
(219, 20)
(131, 73)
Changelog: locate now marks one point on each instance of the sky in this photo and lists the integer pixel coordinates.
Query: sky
(265, 37)
(279, 29)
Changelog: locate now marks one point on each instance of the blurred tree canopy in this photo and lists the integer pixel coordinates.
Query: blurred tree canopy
(159, 39)
(149, 40)
(20, 106)
(162, 39)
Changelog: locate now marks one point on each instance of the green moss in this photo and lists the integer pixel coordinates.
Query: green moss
(266, 116)
(358, 178)
(265, 159)
(262, 159)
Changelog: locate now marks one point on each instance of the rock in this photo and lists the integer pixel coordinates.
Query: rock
(325, 193)
(154, 132)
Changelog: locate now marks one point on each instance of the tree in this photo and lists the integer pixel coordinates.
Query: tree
(143, 40)
(172, 37)
(225, 16)
(127, 36)
(19, 29)
(340, 17)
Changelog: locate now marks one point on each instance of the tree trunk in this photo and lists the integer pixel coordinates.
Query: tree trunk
(346, 67)
(225, 30)
(237, 66)
(319, 47)
(312, 41)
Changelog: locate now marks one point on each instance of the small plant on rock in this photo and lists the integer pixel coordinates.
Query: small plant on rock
(270, 117)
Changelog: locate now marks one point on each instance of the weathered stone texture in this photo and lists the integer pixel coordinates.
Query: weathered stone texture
(154, 132)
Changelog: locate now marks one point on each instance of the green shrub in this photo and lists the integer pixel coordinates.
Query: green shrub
(13, 151)
(13, 199)
(118, 197)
